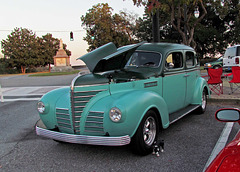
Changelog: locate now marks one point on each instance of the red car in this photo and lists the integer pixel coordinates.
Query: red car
(229, 157)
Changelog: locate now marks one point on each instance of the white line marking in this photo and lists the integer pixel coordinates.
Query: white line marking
(220, 143)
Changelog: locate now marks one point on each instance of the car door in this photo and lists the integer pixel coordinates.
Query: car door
(174, 81)
(192, 73)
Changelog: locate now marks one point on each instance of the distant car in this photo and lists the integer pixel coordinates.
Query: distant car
(232, 56)
(229, 157)
(215, 64)
(131, 93)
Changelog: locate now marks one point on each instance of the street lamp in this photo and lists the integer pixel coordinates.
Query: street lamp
(196, 12)
(222, 3)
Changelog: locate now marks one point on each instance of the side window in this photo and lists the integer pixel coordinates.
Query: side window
(174, 60)
(189, 59)
(238, 51)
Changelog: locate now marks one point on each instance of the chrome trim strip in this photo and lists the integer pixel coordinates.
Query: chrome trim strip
(95, 122)
(63, 118)
(184, 114)
(63, 123)
(93, 127)
(62, 109)
(90, 91)
(96, 117)
(72, 107)
(90, 85)
(79, 107)
(96, 112)
(81, 101)
(66, 114)
(84, 139)
(80, 111)
(73, 82)
(84, 96)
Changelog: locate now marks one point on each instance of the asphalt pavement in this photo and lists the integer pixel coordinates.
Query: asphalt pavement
(22, 87)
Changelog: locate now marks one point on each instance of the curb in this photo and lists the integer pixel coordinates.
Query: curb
(217, 100)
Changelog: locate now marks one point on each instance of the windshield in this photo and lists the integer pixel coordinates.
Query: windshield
(144, 59)
(220, 59)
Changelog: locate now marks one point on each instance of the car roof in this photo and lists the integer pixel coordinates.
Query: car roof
(163, 48)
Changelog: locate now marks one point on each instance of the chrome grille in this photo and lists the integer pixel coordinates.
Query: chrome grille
(94, 122)
(79, 101)
(63, 120)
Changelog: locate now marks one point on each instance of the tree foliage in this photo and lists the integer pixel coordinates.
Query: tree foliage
(102, 26)
(25, 49)
(217, 30)
(22, 48)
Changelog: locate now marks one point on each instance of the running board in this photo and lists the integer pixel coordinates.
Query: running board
(173, 117)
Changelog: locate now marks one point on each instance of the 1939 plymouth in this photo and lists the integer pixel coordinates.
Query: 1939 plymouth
(131, 93)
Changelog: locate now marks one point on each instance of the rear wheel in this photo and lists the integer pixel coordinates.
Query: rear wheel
(203, 106)
(146, 134)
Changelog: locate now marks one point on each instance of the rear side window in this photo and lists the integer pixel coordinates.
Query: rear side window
(190, 59)
(174, 61)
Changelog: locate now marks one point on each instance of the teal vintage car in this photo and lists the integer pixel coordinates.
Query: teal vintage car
(131, 93)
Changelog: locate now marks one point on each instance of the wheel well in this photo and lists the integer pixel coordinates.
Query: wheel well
(158, 116)
(206, 90)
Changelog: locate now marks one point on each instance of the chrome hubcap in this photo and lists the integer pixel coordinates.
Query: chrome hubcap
(149, 131)
(204, 101)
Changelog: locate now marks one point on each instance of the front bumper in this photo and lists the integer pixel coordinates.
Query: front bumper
(83, 139)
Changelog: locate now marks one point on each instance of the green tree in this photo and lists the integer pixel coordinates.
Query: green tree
(212, 34)
(219, 29)
(21, 47)
(181, 15)
(102, 27)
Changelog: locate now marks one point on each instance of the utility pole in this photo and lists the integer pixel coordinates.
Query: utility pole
(155, 27)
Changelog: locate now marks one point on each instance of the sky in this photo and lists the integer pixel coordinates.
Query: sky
(58, 17)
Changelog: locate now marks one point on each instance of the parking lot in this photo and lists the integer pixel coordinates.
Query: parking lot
(189, 143)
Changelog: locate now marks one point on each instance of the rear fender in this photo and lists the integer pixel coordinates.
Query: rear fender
(201, 84)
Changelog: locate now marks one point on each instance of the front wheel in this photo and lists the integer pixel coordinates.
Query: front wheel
(203, 106)
(146, 134)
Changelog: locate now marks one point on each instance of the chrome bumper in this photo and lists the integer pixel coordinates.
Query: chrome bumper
(83, 139)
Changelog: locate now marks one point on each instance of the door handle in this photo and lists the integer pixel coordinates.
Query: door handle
(186, 75)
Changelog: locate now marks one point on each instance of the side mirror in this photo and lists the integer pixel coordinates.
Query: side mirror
(228, 115)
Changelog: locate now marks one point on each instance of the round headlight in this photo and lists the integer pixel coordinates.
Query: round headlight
(209, 65)
(115, 114)
(40, 107)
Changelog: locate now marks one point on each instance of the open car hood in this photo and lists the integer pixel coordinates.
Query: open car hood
(108, 57)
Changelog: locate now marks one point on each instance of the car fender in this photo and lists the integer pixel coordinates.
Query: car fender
(56, 98)
(133, 105)
(201, 84)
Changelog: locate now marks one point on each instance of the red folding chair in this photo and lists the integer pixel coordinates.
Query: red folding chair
(235, 81)
(215, 80)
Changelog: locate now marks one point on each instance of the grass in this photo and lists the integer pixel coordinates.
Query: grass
(54, 73)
